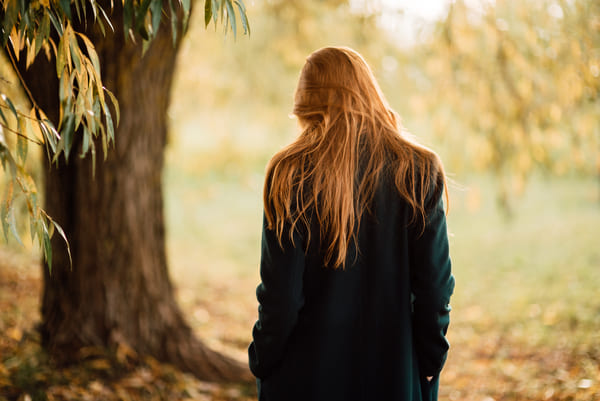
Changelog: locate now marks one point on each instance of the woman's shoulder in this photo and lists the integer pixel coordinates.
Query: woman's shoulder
(418, 169)
(418, 158)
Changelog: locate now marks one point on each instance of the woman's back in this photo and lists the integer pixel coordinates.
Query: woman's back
(357, 311)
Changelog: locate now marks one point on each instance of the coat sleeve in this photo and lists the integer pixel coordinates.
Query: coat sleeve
(280, 298)
(432, 285)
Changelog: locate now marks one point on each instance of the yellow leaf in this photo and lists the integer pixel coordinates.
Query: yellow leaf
(17, 41)
(33, 128)
(3, 371)
(15, 333)
(134, 382)
(96, 386)
(555, 112)
(100, 364)
(124, 351)
(86, 352)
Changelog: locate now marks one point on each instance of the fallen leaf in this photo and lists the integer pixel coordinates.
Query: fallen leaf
(100, 364)
(15, 333)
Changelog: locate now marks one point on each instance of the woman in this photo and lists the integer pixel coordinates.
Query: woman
(356, 281)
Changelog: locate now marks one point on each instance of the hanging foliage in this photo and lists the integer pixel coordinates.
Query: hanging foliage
(46, 28)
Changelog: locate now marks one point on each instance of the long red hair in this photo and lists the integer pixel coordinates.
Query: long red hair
(349, 135)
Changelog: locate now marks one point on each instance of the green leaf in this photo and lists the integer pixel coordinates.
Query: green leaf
(6, 207)
(115, 103)
(101, 26)
(156, 10)
(3, 143)
(22, 145)
(186, 6)
(95, 117)
(78, 9)
(67, 133)
(11, 13)
(95, 78)
(33, 200)
(231, 17)
(97, 108)
(33, 228)
(43, 33)
(127, 16)
(50, 133)
(85, 143)
(91, 52)
(30, 52)
(64, 89)
(104, 146)
(85, 7)
(26, 25)
(66, 41)
(216, 10)
(3, 158)
(47, 246)
(7, 158)
(140, 18)
(13, 225)
(144, 33)
(64, 237)
(109, 124)
(2, 116)
(145, 46)
(207, 12)
(10, 106)
(32, 128)
(94, 7)
(50, 230)
(86, 135)
(65, 5)
(58, 26)
(49, 141)
(93, 152)
(75, 52)
(186, 13)
(44, 30)
(243, 16)
(61, 58)
(79, 109)
(173, 22)
(112, 28)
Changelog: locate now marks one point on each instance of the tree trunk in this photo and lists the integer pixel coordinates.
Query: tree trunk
(118, 290)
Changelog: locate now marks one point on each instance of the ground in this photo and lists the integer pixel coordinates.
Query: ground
(27, 374)
(525, 324)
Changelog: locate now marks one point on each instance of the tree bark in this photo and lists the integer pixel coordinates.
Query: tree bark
(118, 289)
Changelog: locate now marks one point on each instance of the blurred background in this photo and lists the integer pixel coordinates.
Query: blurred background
(506, 91)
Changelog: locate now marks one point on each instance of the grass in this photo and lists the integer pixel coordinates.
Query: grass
(542, 266)
(526, 313)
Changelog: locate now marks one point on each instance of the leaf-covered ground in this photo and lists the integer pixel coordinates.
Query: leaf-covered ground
(525, 324)
(27, 374)
(488, 361)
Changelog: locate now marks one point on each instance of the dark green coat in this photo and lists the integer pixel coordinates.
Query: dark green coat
(370, 332)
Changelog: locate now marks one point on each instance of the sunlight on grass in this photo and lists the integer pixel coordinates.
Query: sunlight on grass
(541, 267)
